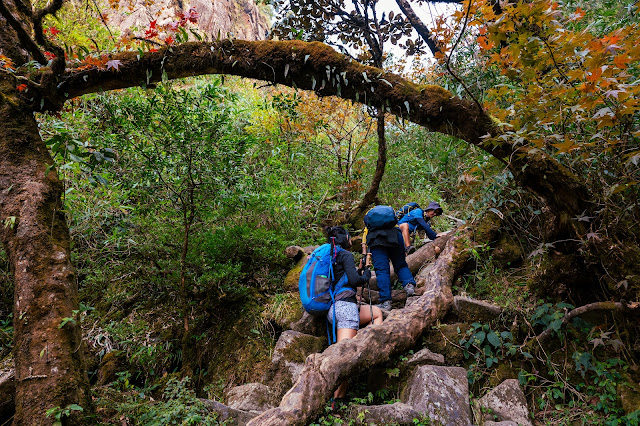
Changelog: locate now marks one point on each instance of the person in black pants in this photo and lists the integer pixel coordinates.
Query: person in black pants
(388, 245)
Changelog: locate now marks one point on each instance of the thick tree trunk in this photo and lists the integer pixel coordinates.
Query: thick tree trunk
(49, 368)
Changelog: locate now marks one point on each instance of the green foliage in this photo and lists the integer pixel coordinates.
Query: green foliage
(72, 154)
(550, 317)
(59, 414)
(487, 347)
(6, 334)
(178, 406)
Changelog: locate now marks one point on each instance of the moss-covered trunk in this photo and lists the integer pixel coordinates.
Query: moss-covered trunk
(49, 364)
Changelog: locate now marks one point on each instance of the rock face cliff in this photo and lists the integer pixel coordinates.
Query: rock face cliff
(240, 19)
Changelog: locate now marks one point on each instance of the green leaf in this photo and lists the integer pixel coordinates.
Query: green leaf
(506, 335)
(494, 339)
(480, 335)
(563, 305)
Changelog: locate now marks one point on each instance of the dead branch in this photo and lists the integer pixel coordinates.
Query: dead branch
(626, 307)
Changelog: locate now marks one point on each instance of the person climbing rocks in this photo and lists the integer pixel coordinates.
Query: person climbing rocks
(347, 315)
(386, 243)
(417, 218)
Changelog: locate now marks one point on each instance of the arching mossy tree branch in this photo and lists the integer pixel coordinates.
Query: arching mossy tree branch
(317, 67)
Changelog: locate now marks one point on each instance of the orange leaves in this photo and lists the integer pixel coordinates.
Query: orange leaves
(621, 61)
(485, 44)
(21, 87)
(6, 63)
(561, 86)
(567, 146)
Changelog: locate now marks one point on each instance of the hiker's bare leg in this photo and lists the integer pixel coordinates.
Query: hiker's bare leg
(365, 315)
(404, 228)
(344, 333)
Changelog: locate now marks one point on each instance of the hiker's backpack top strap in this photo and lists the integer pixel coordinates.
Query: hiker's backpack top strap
(406, 209)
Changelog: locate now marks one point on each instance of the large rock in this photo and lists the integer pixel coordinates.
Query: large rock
(237, 18)
(629, 395)
(444, 340)
(396, 414)
(471, 310)
(253, 397)
(289, 355)
(225, 413)
(440, 393)
(310, 324)
(425, 356)
(507, 402)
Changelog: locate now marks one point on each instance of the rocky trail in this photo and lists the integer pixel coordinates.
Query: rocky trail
(303, 374)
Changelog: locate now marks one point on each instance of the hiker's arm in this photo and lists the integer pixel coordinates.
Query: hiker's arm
(353, 277)
(427, 228)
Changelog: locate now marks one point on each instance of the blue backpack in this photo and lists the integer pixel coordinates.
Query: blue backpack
(380, 217)
(316, 292)
(406, 209)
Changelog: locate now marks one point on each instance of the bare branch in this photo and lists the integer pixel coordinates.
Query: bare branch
(417, 24)
(23, 35)
(631, 307)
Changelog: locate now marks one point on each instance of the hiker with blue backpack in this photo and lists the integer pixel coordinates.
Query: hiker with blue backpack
(348, 317)
(327, 287)
(386, 243)
(411, 217)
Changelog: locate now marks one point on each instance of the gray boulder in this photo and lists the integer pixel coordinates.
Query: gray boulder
(398, 413)
(471, 310)
(507, 402)
(310, 324)
(253, 397)
(440, 393)
(225, 413)
(287, 362)
(425, 356)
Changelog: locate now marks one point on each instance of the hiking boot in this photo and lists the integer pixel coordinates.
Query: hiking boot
(385, 306)
(336, 403)
(410, 289)
(409, 250)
